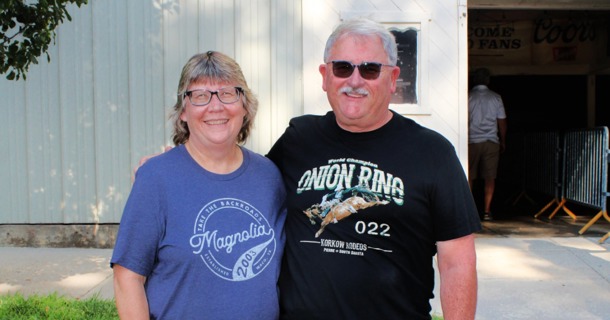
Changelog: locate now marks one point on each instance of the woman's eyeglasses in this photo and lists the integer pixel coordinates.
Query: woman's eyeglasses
(368, 70)
(203, 97)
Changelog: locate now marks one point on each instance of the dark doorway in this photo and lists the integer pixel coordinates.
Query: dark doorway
(535, 103)
(602, 101)
(539, 103)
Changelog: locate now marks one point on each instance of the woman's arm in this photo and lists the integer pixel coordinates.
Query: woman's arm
(129, 294)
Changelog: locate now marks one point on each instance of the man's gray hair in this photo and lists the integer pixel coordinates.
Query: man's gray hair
(365, 28)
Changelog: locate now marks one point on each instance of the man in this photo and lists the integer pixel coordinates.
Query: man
(372, 197)
(486, 135)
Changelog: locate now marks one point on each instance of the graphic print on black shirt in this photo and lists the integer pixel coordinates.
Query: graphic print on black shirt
(354, 186)
(341, 204)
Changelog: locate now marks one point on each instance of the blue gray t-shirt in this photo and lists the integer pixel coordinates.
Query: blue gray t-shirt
(209, 244)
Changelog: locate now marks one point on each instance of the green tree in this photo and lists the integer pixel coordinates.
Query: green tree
(28, 28)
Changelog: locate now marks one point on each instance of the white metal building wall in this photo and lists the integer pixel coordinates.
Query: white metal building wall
(73, 132)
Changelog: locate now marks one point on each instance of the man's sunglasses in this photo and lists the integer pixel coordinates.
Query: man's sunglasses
(368, 70)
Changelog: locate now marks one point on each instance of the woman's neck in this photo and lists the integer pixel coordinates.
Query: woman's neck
(220, 161)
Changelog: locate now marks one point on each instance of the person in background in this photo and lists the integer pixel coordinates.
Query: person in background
(486, 135)
(201, 234)
(372, 197)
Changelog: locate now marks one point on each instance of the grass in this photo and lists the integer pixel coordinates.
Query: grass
(55, 307)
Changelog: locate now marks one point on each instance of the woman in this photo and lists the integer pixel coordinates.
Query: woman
(202, 231)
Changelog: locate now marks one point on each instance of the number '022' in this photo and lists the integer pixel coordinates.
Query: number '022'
(373, 228)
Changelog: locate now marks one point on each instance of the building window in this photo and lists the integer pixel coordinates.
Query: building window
(406, 85)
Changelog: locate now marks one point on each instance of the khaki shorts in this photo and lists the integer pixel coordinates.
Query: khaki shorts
(483, 160)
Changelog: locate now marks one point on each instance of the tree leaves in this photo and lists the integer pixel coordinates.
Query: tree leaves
(27, 32)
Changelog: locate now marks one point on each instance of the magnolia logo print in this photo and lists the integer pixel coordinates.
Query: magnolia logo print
(234, 240)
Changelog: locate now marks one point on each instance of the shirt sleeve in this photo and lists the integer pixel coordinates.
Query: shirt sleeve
(142, 225)
(455, 213)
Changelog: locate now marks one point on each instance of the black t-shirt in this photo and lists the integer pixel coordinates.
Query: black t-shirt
(365, 211)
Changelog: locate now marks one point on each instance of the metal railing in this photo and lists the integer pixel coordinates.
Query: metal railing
(585, 167)
(576, 172)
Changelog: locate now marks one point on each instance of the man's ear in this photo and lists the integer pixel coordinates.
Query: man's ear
(394, 77)
(323, 69)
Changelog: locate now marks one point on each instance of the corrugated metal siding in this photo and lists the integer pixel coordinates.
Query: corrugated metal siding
(14, 182)
(74, 131)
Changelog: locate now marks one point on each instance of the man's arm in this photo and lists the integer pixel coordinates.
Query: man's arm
(458, 272)
(144, 159)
